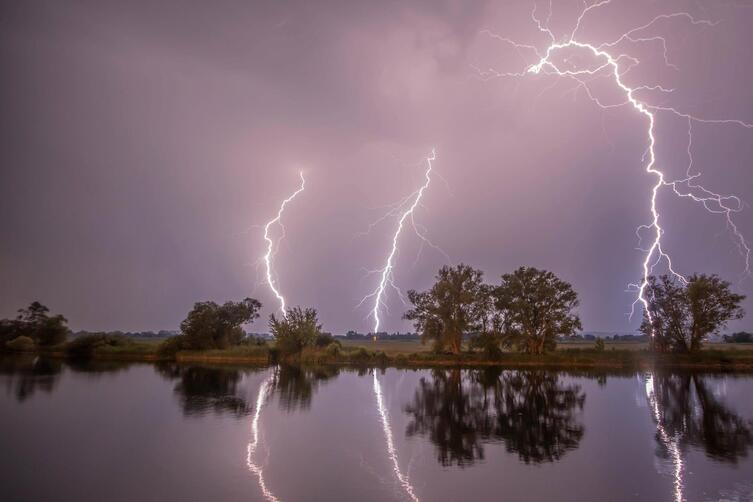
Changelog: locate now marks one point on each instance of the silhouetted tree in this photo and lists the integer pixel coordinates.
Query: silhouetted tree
(298, 329)
(453, 307)
(684, 315)
(213, 326)
(535, 307)
(35, 322)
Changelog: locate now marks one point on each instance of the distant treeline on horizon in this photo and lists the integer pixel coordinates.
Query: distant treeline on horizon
(585, 336)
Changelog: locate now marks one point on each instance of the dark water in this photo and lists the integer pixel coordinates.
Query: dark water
(142, 432)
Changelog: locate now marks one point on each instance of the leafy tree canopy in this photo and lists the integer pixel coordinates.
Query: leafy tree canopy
(212, 326)
(536, 306)
(684, 314)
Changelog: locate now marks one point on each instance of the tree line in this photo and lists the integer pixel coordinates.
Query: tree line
(527, 311)
(530, 308)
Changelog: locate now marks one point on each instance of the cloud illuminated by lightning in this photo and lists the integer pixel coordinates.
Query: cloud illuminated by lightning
(615, 66)
(271, 249)
(407, 208)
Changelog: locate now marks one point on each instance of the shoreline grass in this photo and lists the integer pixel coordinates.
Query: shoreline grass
(717, 357)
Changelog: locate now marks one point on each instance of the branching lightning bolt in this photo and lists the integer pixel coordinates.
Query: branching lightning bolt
(610, 64)
(271, 249)
(412, 201)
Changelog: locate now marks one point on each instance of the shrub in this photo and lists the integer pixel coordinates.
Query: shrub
(325, 339)
(86, 345)
(360, 355)
(21, 344)
(333, 349)
(171, 346)
(298, 329)
(253, 341)
(488, 343)
(600, 345)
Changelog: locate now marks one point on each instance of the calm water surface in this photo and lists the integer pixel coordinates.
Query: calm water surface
(143, 432)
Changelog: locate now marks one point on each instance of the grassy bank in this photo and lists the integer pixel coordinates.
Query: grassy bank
(722, 357)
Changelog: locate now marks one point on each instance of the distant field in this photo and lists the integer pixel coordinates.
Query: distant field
(394, 347)
(388, 346)
(408, 346)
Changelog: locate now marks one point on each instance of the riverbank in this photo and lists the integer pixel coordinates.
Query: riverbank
(728, 358)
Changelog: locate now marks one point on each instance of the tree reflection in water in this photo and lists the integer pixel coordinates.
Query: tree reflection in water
(28, 374)
(295, 386)
(534, 413)
(688, 414)
(207, 389)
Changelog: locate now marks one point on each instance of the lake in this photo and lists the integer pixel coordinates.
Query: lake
(142, 432)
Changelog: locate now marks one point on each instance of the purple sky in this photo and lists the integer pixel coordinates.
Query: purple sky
(144, 144)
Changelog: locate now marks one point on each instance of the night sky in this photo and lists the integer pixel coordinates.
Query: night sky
(143, 146)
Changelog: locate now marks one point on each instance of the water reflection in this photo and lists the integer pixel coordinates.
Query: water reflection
(28, 374)
(251, 460)
(204, 389)
(688, 413)
(295, 386)
(534, 413)
(384, 417)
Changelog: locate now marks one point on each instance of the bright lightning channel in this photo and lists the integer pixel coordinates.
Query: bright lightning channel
(725, 205)
(385, 273)
(271, 250)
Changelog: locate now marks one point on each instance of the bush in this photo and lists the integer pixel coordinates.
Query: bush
(325, 339)
(360, 355)
(488, 343)
(298, 329)
(171, 346)
(600, 345)
(333, 349)
(21, 344)
(253, 341)
(86, 345)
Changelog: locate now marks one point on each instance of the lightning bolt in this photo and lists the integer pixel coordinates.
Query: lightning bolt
(272, 250)
(616, 66)
(386, 278)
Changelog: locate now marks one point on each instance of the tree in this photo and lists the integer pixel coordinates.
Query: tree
(684, 315)
(36, 323)
(452, 307)
(212, 326)
(535, 307)
(298, 329)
